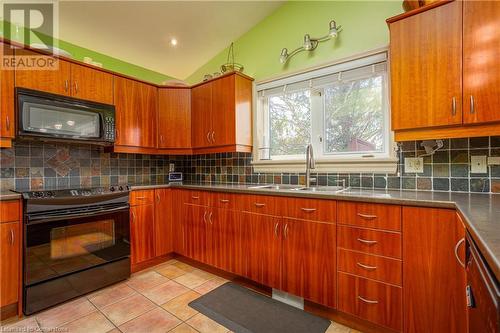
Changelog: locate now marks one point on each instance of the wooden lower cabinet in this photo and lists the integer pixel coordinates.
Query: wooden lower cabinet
(433, 278)
(377, 302)
(10, 263)
(142, 233)
(226, 238)
(163, 230)
(262, 241)
(195, 236)
(309, 268)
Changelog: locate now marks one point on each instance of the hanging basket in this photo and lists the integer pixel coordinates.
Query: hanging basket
(231, 66)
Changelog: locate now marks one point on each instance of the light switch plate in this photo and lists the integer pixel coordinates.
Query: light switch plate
(478, 164)
(414, 164)
(171, 167)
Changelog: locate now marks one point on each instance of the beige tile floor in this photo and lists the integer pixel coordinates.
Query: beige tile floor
(154, 300)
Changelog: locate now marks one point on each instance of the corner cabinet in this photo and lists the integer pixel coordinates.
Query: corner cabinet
(222, 115)
(136, 105)
(444, 77)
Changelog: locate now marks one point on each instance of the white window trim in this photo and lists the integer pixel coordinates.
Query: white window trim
(378, 163)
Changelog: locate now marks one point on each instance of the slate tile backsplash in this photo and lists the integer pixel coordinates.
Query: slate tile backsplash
(38, 165)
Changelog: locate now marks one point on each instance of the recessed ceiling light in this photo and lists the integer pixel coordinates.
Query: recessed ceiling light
(173, 42)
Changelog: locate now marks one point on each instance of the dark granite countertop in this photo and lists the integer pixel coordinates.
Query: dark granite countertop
(9, 195)
(481, 212)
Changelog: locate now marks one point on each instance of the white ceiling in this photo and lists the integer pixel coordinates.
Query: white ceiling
(139, 32)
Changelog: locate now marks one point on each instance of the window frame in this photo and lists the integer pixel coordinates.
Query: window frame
(370, 162)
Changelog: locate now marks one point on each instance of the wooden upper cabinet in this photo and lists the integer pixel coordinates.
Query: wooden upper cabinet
(426, 68)
(91, 84)
(7, 124)
(174, 119)
(433, 271)
(481, 33)
(136, 110)
(222, 114)
(201, 100)
(56, 80)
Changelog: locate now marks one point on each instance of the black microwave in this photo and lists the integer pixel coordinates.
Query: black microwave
(47, 116)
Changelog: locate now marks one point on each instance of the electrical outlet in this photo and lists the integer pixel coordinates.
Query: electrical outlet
(414, 164)
(478, 164)
(171, 167)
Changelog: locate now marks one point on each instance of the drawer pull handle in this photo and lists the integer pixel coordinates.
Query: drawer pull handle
(370, 268)
(195, 197)
(259, 205)
(365, 241)
(224, 200)
(367, 216)
(308, 210)
(367, 300)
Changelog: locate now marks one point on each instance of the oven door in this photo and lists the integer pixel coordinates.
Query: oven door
(60, 244)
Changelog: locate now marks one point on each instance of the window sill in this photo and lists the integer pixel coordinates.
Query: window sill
(378, 165)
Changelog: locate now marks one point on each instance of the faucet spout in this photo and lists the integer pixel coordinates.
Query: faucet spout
(310, 164)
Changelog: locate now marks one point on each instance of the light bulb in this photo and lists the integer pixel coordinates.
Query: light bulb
(307, 42)
(173, 42)
(284, 55)
(333, 29)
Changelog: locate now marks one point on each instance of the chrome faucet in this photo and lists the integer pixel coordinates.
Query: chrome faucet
(310, 164)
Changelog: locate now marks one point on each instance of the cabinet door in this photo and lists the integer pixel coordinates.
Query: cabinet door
(201, 99)
(433, 278)
(262, 241)
(226, 241)
(195, 232)
(7, 124)
(309, 260)
(136, 109)
(55, 80)
(163, 222)
(481, 64)
(142, 233)
(10, 263)
(174, 118)
(426, 68)
(223, 111)
(91, 84)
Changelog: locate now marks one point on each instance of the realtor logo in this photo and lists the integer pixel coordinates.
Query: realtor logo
(33, 24)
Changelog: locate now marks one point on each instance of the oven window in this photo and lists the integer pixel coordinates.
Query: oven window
(51, 119)
(81, 240)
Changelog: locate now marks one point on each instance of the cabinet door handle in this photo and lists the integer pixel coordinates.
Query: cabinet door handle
(369, 242)
(453, 106)
(7, 123)
(161, 138)
(208, 137)
(66, 85)
(140, 198)
(224, 200)
(210, 218)
(12, 239)
(370, 268)
(456, 252)
(213, 136)
(308, 210)
(133, 216)
(116, 133)
(195, 197)
(367, 300)
(158, 198)
(205, 217)
(259, 205)
(367, 216)
(76, 87)
(276, 229)
(472, 111)
(285, 233)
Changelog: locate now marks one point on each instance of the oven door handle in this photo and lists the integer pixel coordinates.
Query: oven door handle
(47, 218)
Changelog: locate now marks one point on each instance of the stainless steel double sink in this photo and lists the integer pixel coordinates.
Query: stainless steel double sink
(275, 187)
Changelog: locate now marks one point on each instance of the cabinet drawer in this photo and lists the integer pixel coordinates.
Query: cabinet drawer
(142, 197)
(384, 243)
(374, 301)
(370, 266)
(310, 209)
(368, 215)
(226, 200)
(196, 197)
(9, 211)
(262, 204)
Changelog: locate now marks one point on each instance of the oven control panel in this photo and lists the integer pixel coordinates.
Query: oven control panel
(81, 192)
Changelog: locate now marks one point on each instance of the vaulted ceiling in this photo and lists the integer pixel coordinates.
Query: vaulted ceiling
(140, 32)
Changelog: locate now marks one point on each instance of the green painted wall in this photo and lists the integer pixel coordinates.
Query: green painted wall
(363, 23)
(113, 64)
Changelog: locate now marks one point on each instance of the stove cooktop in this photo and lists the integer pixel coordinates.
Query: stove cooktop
(73, 192)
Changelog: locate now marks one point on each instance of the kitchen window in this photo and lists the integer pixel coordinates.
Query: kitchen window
(341, 109)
